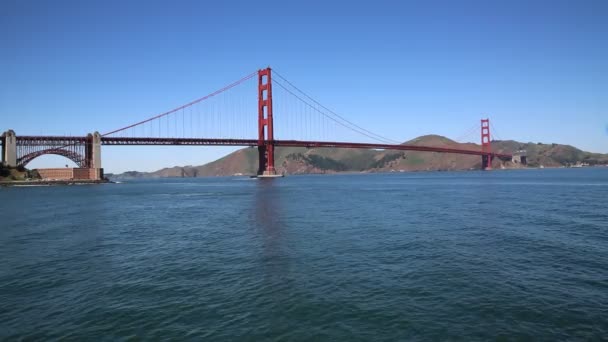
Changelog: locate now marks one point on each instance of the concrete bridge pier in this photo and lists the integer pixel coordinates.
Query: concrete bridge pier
(9, 148)
(93, 154)
(486, 162)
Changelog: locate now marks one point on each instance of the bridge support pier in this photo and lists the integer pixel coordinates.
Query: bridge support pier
(9, 148)
(265, 125)
(486, 162)
(266, 161)
(93, 154)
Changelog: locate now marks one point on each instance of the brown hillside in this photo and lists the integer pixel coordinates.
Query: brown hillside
(296, 160)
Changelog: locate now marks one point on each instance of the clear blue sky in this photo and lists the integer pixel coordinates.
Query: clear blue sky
(538, 69)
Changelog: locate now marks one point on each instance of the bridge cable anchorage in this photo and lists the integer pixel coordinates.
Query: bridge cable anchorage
(217, 92)
(354, 127)
(308, 105)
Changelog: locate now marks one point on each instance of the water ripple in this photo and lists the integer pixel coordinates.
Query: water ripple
(425, 256)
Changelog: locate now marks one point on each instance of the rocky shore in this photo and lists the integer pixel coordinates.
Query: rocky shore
(52, 182)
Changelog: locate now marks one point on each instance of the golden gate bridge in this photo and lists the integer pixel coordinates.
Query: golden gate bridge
(227, 117)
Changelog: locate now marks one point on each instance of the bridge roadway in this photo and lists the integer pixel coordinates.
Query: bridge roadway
(291, 143)
(85, 151)
(145, 141)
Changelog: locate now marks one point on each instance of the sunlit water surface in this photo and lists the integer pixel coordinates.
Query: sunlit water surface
(466, 255)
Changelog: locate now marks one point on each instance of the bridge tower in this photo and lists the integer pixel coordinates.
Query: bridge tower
(486, 145)
(265, 125)
(9, 148)
(92, 154)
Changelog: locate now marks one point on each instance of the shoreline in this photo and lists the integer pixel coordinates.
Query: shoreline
(53, 182)
(121, 179)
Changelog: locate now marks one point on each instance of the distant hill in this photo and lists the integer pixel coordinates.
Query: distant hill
(299, 160)
(552, 155)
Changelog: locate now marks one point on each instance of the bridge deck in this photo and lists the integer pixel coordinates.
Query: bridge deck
(118, 141)
(290, 143)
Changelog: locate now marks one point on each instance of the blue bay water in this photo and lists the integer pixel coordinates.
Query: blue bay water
(429, 256)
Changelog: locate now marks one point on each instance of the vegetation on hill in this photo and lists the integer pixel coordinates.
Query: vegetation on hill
(317, 161)
(552, 155)
(299, 160)
(19, 173)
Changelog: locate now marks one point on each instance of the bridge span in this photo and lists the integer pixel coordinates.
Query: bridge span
(85, 151)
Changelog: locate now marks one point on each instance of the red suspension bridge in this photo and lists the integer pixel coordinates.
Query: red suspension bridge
(226, 118)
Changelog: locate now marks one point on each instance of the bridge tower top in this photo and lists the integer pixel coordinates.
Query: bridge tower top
(9, 133)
